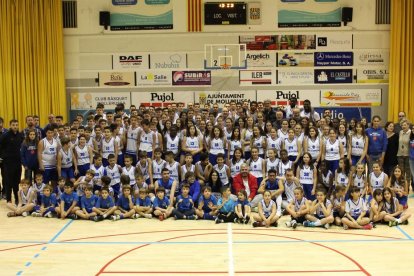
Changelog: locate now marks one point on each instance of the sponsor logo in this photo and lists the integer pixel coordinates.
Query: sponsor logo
(116, 79)
(162, 97)
(130, 60)
(257, 56)
(322, 41)
(173, 62)
(371, 58)
(287, 95)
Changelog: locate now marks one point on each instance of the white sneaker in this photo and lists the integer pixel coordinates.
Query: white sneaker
(327, 226)
(49, 215)
(148, 216)
(36, 214)
(294, 224)
(25, 214)
(136, 216)
(115, 217)
(288, 224)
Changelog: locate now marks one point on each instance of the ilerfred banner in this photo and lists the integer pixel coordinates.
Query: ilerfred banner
(261, 59)
(347, 113)
(278, 42)
(334, 58)
(142, 15)
(191, 78)
(116, 78)
(154, 78)
(373, 75)
(257, 77)
(130, 61)
(168, 61)
(351, 97)
(295, 59)
(282, 97)
(295, 76)
(161, 99)
(325, 76)
(88, 101)
(294, 18)
(223, 97)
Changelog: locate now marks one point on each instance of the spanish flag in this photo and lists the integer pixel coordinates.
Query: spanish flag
(194, 15)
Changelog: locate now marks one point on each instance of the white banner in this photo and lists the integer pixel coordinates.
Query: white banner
(295, 59)
(175, 60)
(281, 97)
(373, 75)
(295, 76)
(372, 57)
(116, 78)
(223, 97)
(154, 78)
(130, 61)
(261, 59)
(257, 77)
(162, 99)
(351, 97)
(86, 100)
(334, 41)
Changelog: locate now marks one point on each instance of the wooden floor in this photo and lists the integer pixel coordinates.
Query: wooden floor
(40, 246)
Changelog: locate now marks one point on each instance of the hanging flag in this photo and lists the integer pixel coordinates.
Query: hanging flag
(194, 15)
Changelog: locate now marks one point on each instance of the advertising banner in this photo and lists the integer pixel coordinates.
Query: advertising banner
(295, 76)
(351, 97)
(116, 78)
(347, 113)
(223, 97)
(334, 41)
(295, 59)
(334, 58)
(191, 78)
(294, 18)
(281, 97)
(130, 61)
(161, 99)
(154, 78)
(372, 57)
(279, 42)
(261, 59)
(373, 75)
(177, 60)
(87, 101)
(325, 76)
(257, 77)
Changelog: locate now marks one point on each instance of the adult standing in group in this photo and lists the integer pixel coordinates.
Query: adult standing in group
(401, 117)
(268, 111)
(377, 142)
(30, 125)
(403, 149)
(10, 144)
(248, 182)
(2, 131)
(309, 112)
(390, 157)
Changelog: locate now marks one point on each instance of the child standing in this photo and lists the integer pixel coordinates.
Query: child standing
(216, 145)
(144, 167)
(129, 170)
(28, 153)
(355, 211)
(307, 176)
(184, 208)
(65, 161)
(267, 212)
(341, 174)
(113, 171)
(99, 170)
(157, 165)
(257, 165)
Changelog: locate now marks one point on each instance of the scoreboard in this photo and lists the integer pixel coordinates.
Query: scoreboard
(225, 13)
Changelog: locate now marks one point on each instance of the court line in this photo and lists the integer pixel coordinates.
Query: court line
(230, 249)
(404, 233)
(6, 241)
(61, 231)
(237, 272)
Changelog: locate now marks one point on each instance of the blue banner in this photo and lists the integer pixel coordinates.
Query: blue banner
(347, 113)
(334, 58)
(333, 76)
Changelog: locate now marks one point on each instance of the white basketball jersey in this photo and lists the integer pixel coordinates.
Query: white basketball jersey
(222, 173)
(342, 179)
(235, 168)
(173, 168)
(216, 146)
(247, 137)
(359, 181)
(82, 155)
(306, 176)
(49, 153)
(256, 167)
(357, 145)
(282, 135)
(233, 145)
(185, 169)
(332, 150)
(314, 147)
(274, 144)
(157, 168)
(192, 143)
(292, 147)
(108, 147)
(114, 174)
(132, 137)
(258, 142)
(172, 144)
(131, 173)
(272, 164)
(377, 182)
(283, 167)
(267, 209)
(146, 140)
(143, 169)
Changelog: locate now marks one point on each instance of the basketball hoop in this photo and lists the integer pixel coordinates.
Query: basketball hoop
(225, 66)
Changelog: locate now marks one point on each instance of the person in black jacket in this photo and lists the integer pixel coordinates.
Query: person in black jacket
(10, 144)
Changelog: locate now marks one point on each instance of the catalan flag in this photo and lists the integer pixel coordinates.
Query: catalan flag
(194, 15)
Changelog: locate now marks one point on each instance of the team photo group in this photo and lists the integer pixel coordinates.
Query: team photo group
(247, 162)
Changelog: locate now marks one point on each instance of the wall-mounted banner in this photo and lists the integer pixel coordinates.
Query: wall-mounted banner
(351, 97)
(279, 42)
(177, 60)
(295, 59)
(162, 99)
(124, 2)
(334, 41)
(292, 1)
(347, 113)
(154, 78)
(334, 58)
(116, 78)
(324, 76)
(373, 75)
(87, 101)
(223, 97)
(257, 77)
(130, 61)
(301, 18)
(281, 97)
(261, 59)
(372, 57)
(295, 76)
(191, 78)
(254, 13)
(144, 15)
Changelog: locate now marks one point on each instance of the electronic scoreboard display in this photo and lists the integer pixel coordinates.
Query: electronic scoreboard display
(225, 13)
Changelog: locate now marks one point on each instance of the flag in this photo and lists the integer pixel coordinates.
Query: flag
(194, 15)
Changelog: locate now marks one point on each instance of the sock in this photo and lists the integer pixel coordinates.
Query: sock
(317, 223)
(398, 220)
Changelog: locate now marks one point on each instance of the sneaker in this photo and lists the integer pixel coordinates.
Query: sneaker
(49, 215)
(217, 220)
(36, 215)
(115, 217)
(368, 226)
(288, 224)
(392, 223)
(275, 224)
(346, 227)
(236, 220)
(148, 216)
(136, 216)
(294, 224)
(25, 214)
(404, 222)
(95, 218)
(306, 223)
(11, 214)
(257, 224)
(161, 217)
(246, 220)
(327, 226)
(73, 216)
(192, 217)
(175, 216)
